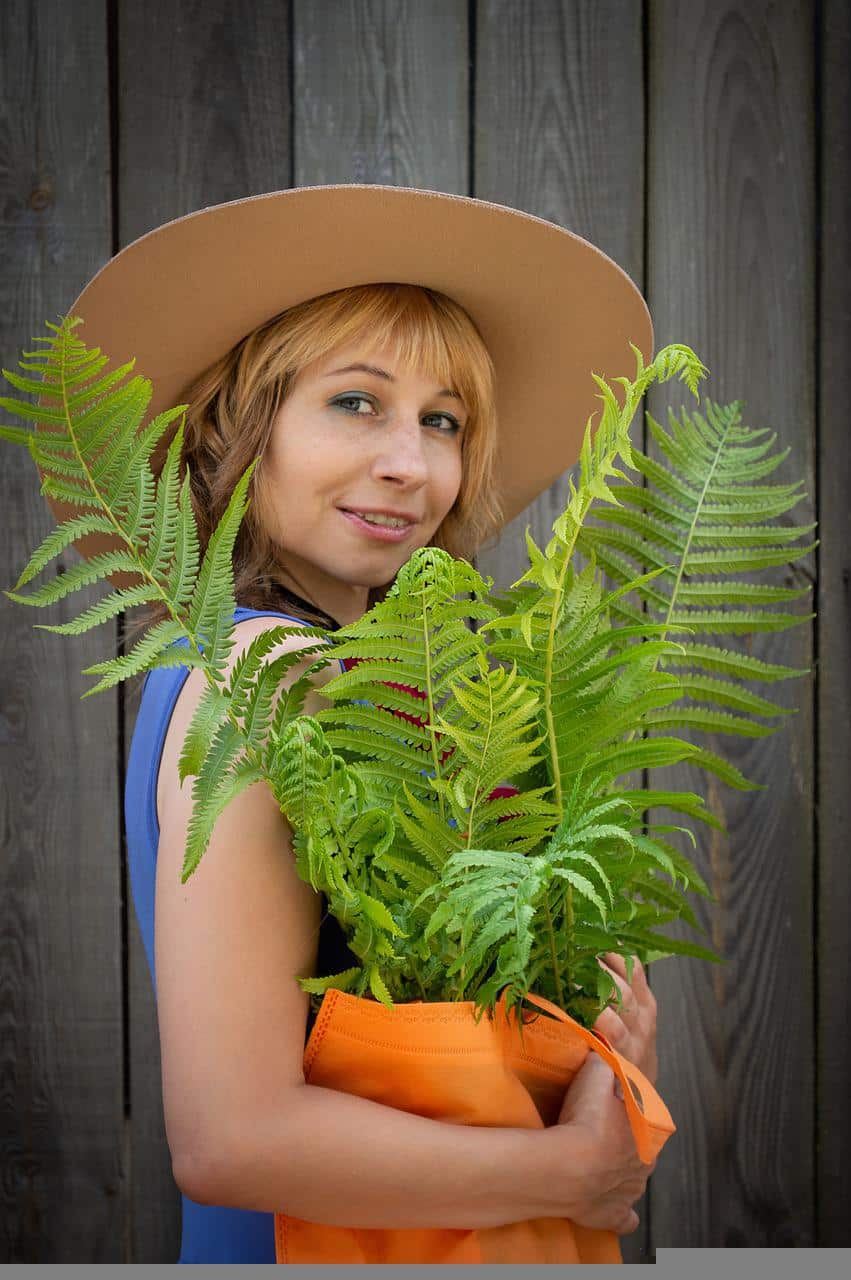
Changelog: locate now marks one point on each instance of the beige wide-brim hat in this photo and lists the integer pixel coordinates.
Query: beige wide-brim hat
(551, 307)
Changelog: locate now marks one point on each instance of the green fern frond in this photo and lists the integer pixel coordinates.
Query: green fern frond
(491, 739)
(89, 443)
(728, 662)
(710, 463)
(428, 835)
(102, 611)
(344, 981)
(216, 785)
(422, 623)
(444, 891)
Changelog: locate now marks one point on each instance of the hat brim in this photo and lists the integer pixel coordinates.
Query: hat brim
(551, 307)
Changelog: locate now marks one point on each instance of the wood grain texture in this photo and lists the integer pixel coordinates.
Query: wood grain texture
(834, 635)
(741, 248)
(63, 1194)
(381, 93)
(204, 111)
(559, 133)
(731, 272)
(204, 106)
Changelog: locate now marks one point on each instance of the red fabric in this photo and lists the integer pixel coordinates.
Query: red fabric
(348, 663)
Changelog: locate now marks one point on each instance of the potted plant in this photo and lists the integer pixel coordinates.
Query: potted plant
(466, 900)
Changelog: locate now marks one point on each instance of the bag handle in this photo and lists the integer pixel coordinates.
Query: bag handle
(645, 1109)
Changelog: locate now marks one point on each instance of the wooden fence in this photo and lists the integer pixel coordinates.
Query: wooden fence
(704, 145)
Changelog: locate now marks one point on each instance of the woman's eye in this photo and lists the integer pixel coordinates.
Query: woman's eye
(350, 399)
(342, 401)
(452, 426)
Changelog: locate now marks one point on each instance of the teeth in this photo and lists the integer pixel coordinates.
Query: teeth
(394, 522)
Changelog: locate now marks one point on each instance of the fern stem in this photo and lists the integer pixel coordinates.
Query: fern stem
(691, 530)
(681, 567)
(255, 758)
(419, 981)
(553, 950)
(555, 772)
(430, 697)
(342, 847)
(474, 802)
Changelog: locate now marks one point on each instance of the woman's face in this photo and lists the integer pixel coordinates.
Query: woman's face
(368, 440)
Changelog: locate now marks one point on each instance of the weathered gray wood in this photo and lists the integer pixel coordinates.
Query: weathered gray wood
(381, 93)
(560, 134)
(204, 110)
(834, 632)
(731, 272)
(204, 106)
(63, 1189)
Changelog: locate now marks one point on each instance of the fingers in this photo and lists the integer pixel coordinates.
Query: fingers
(636, 993)
(629, 1021)
(617, 1019)
(612, 1027)
(640, 984)
(629, 1225)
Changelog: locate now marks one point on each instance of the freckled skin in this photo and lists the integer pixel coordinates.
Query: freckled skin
(393, 448)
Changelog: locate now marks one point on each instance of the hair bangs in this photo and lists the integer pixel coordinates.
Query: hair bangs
(232, 405)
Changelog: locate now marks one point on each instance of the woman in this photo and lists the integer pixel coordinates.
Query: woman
(367, 401)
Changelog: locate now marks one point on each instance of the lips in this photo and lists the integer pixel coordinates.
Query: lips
(381, 532)
(368, 511)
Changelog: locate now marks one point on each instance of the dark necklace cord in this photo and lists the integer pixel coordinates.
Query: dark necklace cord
(293, 598)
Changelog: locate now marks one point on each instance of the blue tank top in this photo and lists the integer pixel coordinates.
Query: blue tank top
(210, 1233)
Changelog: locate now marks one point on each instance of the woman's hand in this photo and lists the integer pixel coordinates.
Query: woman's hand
(631, 1029)
(594, 1175)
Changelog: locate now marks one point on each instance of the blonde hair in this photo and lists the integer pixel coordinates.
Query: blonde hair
(233, 403)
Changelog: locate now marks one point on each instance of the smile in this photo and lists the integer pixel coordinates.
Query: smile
(383, 532)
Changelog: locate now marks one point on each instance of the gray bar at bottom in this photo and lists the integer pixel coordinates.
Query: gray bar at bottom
(755, 1264)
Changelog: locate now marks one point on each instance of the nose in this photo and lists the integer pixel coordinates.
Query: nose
(401, 454)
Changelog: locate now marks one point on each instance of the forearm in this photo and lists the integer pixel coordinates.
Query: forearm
(336, 1158)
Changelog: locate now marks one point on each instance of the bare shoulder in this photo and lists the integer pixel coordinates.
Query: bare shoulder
(170, 792)
(229, 946)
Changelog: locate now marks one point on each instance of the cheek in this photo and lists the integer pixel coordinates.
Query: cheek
(453, 486)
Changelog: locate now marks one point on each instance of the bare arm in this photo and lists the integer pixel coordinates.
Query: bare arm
(331, 1157)
(244, 1128)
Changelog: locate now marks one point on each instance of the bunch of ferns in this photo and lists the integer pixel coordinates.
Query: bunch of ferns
(446, 893)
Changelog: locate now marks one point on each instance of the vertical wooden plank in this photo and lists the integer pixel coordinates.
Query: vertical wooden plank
(834, 632)
(204, 110)
(204, 106)
(559, 132)
(731, 272)
(381, 93)
(63, 1190)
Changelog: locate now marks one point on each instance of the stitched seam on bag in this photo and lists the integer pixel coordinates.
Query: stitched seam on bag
(479, 1051)
(318, 1033)
(548, 1027)
(376, 1012)
(554, 1069)
(281, 1229)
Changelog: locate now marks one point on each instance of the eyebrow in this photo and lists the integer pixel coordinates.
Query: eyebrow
(382, 373)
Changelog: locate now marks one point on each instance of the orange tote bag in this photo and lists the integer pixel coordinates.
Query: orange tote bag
(432, 1059)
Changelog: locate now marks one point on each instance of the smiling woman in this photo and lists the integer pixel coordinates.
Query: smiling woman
(367, 408)
(376, 473)
(375, 398)
(367, 415)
